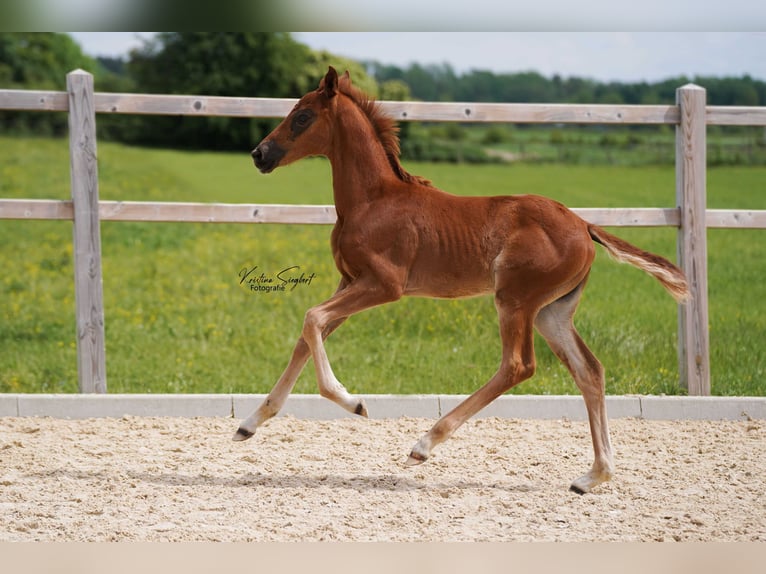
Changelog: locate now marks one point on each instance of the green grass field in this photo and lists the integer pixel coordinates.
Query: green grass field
(178, 319)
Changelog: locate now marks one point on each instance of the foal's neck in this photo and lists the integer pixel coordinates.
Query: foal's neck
(360, 167)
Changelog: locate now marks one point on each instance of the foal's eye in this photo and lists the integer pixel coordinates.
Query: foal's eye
(301, 120)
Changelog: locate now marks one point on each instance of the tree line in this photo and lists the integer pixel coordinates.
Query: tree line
(440, 82)
(271, 64)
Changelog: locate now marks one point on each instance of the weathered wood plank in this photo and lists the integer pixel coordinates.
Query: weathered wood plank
(631, 217)
(735, 219)
(43, 209)
(404, 111)
(736, 116)
(35, 209)
(694, 353)
(217, 212)
(33, 100)
(531, 113)
(121, 103)
(276, 213)
(89, 299)
(193, 105)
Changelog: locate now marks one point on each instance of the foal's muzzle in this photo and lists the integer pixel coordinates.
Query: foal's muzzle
(267, 156)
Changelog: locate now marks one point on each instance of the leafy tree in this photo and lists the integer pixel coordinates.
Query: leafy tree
(430, 83)
(220, 63)
(316, 67)
(38, 61)
(246, 64)
(217, 64)
(525, 87)
(34, 60)
(395, 91)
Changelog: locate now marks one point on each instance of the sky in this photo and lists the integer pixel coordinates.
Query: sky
(603, 56)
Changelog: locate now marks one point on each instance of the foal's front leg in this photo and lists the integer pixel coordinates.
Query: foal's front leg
(360, 295)
(281, 390)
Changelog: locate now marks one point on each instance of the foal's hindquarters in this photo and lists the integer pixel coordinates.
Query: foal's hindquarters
(554, 323)
(539, 271)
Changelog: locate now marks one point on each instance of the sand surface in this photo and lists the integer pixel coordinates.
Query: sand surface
(183, 479)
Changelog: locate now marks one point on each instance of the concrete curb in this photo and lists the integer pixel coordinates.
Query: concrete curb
(380, 406)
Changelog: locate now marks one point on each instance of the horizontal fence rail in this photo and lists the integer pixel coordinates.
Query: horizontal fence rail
(168, 212)
(689, 115)
(148, 104)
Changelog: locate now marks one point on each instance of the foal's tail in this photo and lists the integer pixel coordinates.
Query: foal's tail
(671, 277)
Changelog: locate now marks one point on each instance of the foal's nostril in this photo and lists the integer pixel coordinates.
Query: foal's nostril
(267, 156)
(259, 154)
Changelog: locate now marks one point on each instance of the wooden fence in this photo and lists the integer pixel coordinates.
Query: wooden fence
(690, 115)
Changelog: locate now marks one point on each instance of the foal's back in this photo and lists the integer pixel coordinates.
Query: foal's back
(455, 246)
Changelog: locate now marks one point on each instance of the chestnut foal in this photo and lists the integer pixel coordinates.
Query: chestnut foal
(397, 235)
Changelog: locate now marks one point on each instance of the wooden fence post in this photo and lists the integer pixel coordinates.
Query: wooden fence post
(693, 339)
(89, 299)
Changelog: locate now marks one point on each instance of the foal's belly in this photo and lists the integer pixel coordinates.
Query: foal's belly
(450, 283)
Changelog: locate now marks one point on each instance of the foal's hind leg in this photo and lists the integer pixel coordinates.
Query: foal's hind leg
(554, 322)
(517, 365)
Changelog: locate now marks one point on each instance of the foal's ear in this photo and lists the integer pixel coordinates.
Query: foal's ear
(345, 79)
(329, 85)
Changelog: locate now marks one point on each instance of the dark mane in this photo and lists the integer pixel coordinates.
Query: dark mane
(386, 129)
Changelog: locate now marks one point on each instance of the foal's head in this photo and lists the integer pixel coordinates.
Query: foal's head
(306, 129)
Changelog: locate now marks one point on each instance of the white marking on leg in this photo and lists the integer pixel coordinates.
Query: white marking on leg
(275, 400)
(329, 385)
(554, 323)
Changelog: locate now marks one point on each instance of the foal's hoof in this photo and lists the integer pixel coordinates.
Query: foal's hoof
(588, 482)
(361, 409)
(420, 452)
(416, 458)
(242, 434)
